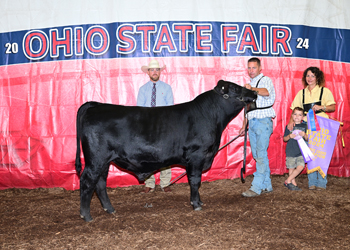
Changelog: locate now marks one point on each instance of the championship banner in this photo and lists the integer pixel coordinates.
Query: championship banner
(321, 144)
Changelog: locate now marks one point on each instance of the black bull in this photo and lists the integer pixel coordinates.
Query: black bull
(143, 140)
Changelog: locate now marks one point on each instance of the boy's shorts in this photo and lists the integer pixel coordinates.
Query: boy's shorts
(293, 162)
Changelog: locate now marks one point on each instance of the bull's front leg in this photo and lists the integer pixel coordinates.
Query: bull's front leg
(194, 177)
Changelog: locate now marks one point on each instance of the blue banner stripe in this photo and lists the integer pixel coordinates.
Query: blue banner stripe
(174, 39)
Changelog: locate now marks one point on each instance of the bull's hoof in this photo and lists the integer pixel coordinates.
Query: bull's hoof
(198, 206)
(110, 211)
(86, 218)
(200, 203)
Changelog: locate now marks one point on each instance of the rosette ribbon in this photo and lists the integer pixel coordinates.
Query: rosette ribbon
(305, 150)
(312, 119)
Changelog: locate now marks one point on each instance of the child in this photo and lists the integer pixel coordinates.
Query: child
(294, 159)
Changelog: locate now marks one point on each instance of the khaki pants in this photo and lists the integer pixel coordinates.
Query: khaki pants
(165, 178)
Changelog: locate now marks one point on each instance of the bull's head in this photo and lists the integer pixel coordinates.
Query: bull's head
(232, 90)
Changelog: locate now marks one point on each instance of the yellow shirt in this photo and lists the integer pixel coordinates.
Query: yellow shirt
(313, 96)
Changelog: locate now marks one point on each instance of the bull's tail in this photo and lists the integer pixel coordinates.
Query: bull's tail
(81, 112)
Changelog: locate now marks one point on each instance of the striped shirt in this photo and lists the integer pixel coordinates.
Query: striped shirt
(263, 101)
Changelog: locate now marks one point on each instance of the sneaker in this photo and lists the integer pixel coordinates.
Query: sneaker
(312, 187)
(292, 187)
(249, 193)
(320, 188)
(265, 191)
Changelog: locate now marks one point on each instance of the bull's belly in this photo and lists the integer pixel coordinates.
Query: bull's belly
(143, 169)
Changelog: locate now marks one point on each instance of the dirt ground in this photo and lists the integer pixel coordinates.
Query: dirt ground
(283, 219)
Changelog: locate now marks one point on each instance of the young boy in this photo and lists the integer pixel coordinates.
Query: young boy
(294, 159)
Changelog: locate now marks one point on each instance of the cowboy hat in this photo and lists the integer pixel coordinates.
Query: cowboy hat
(153, 64)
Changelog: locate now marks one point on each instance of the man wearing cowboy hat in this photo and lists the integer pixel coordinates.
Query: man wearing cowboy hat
(155, 93)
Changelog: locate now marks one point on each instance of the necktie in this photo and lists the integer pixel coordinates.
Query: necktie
(153, 99)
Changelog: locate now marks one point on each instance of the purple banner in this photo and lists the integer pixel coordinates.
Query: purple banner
(321, 144)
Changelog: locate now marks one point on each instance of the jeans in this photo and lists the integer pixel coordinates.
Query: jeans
(315, 179)
(260, 131)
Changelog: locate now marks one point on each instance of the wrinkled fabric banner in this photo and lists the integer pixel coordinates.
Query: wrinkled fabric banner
(58, 55)
(322, 144)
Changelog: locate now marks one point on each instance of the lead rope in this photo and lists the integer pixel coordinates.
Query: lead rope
(245, 146)
(244, 152)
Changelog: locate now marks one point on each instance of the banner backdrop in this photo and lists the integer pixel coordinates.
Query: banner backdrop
(59, 54)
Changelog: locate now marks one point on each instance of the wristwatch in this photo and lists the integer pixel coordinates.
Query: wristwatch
(324, 108)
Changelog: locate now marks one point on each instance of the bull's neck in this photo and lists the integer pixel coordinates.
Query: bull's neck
(230, 111)
(214, 106)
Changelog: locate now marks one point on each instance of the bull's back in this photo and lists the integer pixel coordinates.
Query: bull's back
(133, 130)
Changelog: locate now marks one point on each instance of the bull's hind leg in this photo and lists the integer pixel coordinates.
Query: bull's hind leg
(88, 181)
(101, 191)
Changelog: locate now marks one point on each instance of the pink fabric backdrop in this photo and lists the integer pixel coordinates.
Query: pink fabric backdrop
(40, 101)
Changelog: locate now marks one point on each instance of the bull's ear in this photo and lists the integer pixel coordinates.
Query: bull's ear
(222, 87)
(220, 83)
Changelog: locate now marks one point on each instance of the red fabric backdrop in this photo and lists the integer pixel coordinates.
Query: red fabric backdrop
(40, 100)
